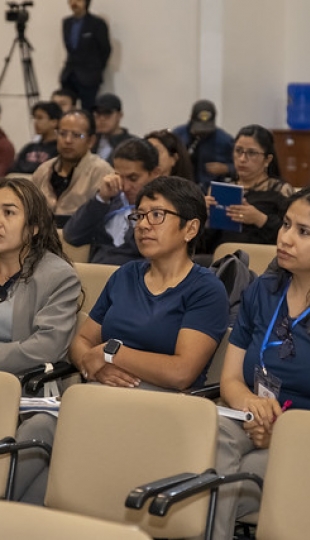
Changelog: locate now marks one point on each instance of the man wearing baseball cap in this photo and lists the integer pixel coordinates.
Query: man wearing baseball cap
(109, 133)
(210, 147)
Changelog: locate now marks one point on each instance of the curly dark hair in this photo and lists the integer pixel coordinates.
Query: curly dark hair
(40, 232)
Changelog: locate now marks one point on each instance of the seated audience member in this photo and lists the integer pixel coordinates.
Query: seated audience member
(173, 156)
(65, 98)
(265, 194)
(167, 313)
(70, 179)
(7, 152)
(39, 288)
(209, 146)
(109, 133)
(102, 221)
(266, 365)
(46, 115)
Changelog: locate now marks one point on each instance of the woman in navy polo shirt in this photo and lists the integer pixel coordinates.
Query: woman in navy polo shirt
(266, 367)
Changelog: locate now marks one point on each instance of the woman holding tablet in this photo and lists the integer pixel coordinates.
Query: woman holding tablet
(261, 211)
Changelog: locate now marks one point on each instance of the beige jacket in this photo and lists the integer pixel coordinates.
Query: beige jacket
(83, 185)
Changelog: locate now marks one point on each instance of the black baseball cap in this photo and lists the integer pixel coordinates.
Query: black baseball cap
(107, 103)
(202, 120)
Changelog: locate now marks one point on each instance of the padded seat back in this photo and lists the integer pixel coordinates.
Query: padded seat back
(110, 440)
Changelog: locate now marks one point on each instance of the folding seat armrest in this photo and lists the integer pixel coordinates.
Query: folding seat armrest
(210, 391)
(209, 480)
(8, 445)
(138, 496)
(36, 382)
(28, 374)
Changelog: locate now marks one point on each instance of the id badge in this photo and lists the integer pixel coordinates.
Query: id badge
(265, 384)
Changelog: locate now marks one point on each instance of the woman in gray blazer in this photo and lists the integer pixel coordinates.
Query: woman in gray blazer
(39, 288)
(39, 291)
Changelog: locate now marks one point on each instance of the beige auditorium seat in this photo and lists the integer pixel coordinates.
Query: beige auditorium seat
(109, 440)
(75, 254)
(10, 393)
(284, 512)
(28, 522)
(260, 254)
(93, 278)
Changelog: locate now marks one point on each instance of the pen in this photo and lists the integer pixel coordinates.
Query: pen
(286, 405)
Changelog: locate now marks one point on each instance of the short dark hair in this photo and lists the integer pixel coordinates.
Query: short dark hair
(264, 138)
(184, 195)
(87, 4)
(66, 92)
(135, 149)
(51, 108)
(91, 130)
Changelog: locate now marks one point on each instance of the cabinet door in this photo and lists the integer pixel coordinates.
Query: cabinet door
(293, 151)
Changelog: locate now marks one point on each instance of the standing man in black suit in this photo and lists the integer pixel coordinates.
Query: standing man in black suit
(86, 39)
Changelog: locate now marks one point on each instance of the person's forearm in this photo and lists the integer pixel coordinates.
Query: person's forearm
(236, 394)
(78, 348)
(260, 219)
(169, 371)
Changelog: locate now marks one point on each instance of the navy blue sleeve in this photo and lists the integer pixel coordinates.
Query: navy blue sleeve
(207, 308)
(242, 331)
(83, 225)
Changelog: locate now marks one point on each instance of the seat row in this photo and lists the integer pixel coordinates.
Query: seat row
(111, 440)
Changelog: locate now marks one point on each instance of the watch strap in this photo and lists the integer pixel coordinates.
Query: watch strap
(108, 358)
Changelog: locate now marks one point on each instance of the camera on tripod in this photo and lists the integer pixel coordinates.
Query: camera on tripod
(18, 12)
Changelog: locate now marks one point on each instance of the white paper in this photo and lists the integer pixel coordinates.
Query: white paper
(234, 414)
(49, 405)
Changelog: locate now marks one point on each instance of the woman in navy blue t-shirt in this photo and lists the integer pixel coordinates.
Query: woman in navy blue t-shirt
(157, 321)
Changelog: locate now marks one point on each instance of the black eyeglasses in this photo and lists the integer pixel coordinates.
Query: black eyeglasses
(154, 217)
(284, 333)
(248, 154)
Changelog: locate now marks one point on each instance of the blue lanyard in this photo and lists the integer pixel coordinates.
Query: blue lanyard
(265, 344)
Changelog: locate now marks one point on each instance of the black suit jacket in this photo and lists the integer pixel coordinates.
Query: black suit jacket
(89, 59)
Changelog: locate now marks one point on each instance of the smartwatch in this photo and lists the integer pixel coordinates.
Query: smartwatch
(110, 349)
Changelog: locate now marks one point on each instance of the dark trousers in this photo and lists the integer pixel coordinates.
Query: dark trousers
(87, 94)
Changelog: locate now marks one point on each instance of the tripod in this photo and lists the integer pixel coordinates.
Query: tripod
(30, 81)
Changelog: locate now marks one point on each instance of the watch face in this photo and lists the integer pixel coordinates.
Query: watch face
(112, 346)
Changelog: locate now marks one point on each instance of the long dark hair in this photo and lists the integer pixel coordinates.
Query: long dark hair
(282, 274)
(40, 233)
(174, 145)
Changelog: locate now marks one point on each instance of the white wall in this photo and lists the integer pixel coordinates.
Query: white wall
(154, 67)
(297, 41)
(168, 53)
(253, 63)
